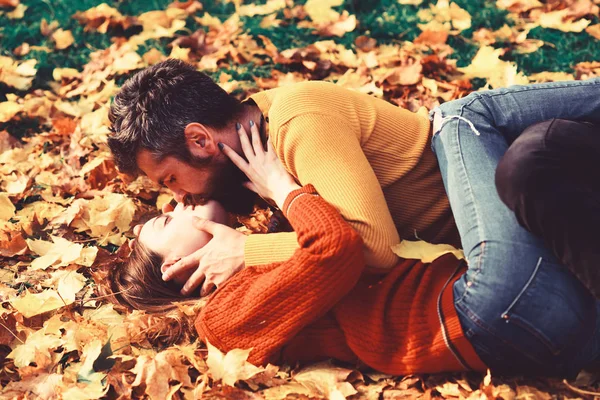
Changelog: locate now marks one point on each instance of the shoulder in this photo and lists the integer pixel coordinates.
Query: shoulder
(311, 97)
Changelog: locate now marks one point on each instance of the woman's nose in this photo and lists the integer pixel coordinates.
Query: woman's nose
(179, 195)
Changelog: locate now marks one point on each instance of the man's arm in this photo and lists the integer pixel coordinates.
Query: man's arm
(331, 158)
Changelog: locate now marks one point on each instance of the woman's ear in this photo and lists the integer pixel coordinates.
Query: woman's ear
(200, 140)
(168, 263)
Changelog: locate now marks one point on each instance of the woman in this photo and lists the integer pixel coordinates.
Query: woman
(497, 314)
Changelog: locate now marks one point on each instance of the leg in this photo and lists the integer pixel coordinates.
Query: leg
(549, 178)
(520, 308)
(511, 110)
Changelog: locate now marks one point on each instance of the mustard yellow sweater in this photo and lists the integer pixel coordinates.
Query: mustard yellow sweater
(370, 159)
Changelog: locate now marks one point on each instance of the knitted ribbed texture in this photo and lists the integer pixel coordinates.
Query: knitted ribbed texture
(370, 159)
(318, 304)
(264, 306)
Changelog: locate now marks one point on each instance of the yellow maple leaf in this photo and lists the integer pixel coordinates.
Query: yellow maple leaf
(487, 64)
(424, 251)
(32, 304)
(60, 253)
(271, 6)
(559, 20)
(7, 208)
(62, 39)
(8, 109)
(320, 11)
(231, 367)
(38, 342)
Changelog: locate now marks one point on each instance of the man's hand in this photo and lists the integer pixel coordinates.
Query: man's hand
(215, 263)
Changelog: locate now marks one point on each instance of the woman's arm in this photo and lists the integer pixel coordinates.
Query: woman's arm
(263, 307)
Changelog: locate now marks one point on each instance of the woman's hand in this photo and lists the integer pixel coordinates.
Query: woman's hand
(268, 178)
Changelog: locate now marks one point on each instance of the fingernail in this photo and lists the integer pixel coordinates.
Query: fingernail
(220, 146)
(251, 123)
(165, 277)
(238, 126)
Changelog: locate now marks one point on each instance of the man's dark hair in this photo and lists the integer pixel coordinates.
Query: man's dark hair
(155, 105)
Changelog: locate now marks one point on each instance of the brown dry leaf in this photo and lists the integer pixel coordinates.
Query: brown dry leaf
(594, 30)
(17, 74)
(518, 6)
(37, 343)
(346, 23)
(445, 16)
(231, 367)
(326, 380)
(156, 372)
(529, 46)
(7, 208)
(63, 39)
(405, 75)
(12, 242)
(563, 21)
(103, 17)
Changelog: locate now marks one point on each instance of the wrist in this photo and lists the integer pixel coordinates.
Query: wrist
(282, 194)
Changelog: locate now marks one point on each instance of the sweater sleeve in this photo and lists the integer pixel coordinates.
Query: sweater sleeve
(262, 307)
(330, 156)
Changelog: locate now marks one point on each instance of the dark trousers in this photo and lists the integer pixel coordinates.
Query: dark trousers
(550, 178)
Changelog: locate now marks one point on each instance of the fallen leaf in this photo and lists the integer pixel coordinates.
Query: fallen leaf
(231, 367)
(424, 251)
(63, 39)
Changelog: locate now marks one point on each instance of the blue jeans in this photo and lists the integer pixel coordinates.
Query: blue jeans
(520, 308)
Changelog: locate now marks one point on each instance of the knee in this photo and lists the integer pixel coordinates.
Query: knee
(525, 167)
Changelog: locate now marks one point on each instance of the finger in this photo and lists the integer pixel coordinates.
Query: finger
(235, 158)
(207, 287)
(246, 146)
(206, 225)
(168, 207)
(250, 186)
(270, 148)
(256, 143)
(193, 282)
(180, 266)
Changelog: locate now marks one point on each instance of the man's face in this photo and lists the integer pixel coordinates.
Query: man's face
(219, 180)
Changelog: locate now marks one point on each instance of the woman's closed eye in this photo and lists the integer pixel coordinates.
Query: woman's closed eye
(165, 219)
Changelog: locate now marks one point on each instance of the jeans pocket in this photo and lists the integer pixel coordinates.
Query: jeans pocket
(554, 308)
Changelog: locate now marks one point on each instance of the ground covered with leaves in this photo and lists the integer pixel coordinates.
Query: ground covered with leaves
(65, 212)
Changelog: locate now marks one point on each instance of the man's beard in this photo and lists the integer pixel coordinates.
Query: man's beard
(224, 185)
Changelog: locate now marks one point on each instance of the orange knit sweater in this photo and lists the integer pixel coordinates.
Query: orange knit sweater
(318, 304)
(368, 158)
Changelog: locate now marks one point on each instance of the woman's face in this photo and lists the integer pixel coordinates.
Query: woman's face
(173, 235)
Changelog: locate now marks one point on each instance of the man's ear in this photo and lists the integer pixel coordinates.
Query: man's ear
(200, 140)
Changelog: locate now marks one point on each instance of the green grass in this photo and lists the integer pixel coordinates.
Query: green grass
(385, 20)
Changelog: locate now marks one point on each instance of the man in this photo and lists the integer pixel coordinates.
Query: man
(364, 155)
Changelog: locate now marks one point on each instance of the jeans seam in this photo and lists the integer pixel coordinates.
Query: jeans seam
(475, 319)
(530, 88)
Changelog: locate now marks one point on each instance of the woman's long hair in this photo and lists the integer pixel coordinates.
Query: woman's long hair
(137, 284)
